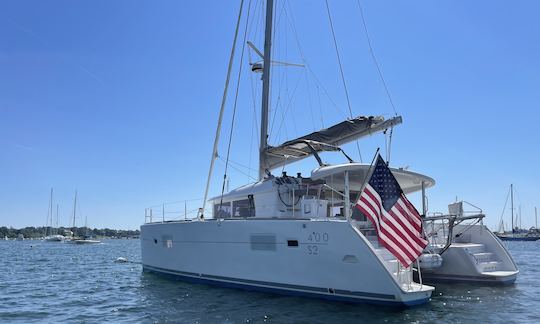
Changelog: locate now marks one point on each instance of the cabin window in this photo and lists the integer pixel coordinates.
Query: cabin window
(222, 210)
(243, 208)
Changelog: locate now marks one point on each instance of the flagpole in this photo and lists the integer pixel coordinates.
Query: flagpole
(368, 174)
(419, 272)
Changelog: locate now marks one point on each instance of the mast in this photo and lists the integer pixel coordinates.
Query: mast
(512, 204)
(56, 219)
(74, 210)
(267, 62)
(535, 219)
(518, 221)
(49, 215)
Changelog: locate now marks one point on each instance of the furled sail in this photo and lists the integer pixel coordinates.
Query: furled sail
(328, 139)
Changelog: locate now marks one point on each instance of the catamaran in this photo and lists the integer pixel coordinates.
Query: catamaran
(291, 234)
(462, 249)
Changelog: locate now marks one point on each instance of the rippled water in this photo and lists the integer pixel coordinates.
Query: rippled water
(44, 282)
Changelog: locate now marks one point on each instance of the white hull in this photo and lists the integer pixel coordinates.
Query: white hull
(331, 259)
(476, 256)
(54, 238)
(81, 241)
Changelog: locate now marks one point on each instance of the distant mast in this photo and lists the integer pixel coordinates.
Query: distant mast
(535, 219)
(267, 62)
(57, 219)
(48, 229)
(74, 211)
(512, 205)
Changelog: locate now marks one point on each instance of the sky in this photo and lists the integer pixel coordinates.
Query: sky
(119, 100)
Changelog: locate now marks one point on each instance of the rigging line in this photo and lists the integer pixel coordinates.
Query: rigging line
(504, 208)
(237, 169)
(253, 19)
(338, 58)
(254, 99)
(341, 71)
(375, 58)
(304, 60)
(238, 164)
(278, 99)
(320, 105)
(255, 125)
(223, 101)
(235, 101)
(287, 107)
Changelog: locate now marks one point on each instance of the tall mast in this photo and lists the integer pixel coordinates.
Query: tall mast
(74, 208)
(56, 218)
(535, 219)
(512, 204)
(267, 62)
(48, 230)
(518, 221)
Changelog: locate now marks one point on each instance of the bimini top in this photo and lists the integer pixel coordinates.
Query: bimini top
(328, 139)
(334, 175)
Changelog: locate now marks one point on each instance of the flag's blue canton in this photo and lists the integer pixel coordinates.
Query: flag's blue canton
(385, 184)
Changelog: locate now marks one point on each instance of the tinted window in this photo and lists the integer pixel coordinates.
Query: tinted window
(243, 208)
(222, 210)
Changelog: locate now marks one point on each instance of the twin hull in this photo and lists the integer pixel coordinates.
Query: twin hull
(324, 259)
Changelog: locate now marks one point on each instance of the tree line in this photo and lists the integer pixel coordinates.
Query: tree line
(39, 232)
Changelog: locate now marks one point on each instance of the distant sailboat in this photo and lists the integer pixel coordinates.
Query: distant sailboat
(516, 234)
(79, 240)
(86, 239)
(51, 233)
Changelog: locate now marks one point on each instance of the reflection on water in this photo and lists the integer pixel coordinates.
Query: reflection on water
(43, 282)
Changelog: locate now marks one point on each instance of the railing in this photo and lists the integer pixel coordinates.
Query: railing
(174, 211)
(439, 229)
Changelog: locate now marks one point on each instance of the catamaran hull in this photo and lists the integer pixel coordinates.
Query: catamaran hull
(518, 238)
(322, 259)
(475, 256)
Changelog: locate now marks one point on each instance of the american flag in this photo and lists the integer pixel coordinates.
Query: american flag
(397, 222)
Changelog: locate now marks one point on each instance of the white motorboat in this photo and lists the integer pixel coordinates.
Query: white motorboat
(287, 234)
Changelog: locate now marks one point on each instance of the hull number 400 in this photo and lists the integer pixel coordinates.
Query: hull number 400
(316, 238)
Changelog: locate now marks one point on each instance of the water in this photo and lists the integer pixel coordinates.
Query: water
(46, 282)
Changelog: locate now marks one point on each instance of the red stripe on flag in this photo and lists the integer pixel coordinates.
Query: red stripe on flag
(407, 228)
(398, 251)
(398, 238)
(406, 215)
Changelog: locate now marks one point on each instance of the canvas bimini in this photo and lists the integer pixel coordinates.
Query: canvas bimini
(290, 234)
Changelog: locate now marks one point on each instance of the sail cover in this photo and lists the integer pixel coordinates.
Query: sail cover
(328, 139)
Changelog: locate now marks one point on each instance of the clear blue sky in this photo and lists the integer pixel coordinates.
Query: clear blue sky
(119, 99)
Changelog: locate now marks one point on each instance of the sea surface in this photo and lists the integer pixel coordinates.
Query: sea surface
(56, 282)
